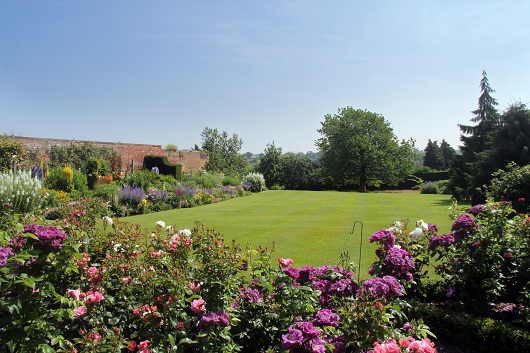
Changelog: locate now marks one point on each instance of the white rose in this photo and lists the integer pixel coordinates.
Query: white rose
(161, 224)
(415, 234)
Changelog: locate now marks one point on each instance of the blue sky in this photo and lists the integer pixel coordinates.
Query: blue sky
(160, 71)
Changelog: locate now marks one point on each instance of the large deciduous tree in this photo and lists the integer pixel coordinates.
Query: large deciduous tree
(223, 152)
(359, 148)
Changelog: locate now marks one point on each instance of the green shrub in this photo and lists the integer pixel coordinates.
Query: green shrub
(256, 181)
(109, 193)
(457, 327)
(230, 180)
(56, 180)
(19, 191)
(429, 188)
(204, 179)
(147, 179)
(277, 187)
(443, 187)
(94, 168)
(512, 185)
(163, 166)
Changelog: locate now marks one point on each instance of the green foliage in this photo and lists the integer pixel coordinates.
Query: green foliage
(229, 180)
(14, 152)
(256, 181)
(429, 187)
(297, 171)
(433, 157)
(463, 329)
(147, 179)
(269, 164)
(20, 192)
(484, 265)
(109, 193)
(513, 185)
(205, 179)
(277, 187)
(467, 173)
(76, 155)
(94, 168)
(223, 152)
(163, 165)
(56, 180)
(359, 148)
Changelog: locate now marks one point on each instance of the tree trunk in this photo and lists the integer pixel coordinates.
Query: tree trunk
(362, 183)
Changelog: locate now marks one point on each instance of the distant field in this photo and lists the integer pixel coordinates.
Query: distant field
(311, 227)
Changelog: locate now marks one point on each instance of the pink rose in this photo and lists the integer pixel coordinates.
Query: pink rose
(198, 306)
(93, 298)
(285, 262)
(92, 271)
(94, 336)
(195, 287)
(74, 293)
(143, 347)
(80, 311)
(131, 346)
(390, 347)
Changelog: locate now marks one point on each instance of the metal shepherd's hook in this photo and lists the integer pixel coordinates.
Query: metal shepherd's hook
(360, 249)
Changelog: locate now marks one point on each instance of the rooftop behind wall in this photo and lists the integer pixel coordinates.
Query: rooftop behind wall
(132, 155)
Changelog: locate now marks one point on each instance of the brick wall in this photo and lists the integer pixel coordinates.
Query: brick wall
(132, 155)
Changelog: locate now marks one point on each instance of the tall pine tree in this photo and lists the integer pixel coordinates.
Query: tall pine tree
(467, 176)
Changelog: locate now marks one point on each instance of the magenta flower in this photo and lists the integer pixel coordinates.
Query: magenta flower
(293, 339)
(327, 317)
(463, 226)
(399, 262)
(4, 254)
(384, 237)
(219, 318)
(383, 287)
(50, 237)
(441, 240)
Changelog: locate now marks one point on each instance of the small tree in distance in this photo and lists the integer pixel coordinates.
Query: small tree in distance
(433, 156)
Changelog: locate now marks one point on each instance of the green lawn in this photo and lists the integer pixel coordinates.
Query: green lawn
(311, 227)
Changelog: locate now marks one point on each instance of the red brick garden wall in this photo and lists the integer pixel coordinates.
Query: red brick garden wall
(132, 155)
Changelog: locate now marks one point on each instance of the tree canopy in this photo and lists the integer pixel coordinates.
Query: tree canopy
(359, 148)
(223, 152)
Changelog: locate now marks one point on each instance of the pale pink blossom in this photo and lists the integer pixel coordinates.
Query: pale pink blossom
(195, 287)
(74, 293)
(80, 311)
(198, 306)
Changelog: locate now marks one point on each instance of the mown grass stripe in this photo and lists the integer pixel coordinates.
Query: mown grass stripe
(310, 227)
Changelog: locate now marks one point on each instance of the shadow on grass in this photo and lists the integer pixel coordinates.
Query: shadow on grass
(449, 202)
